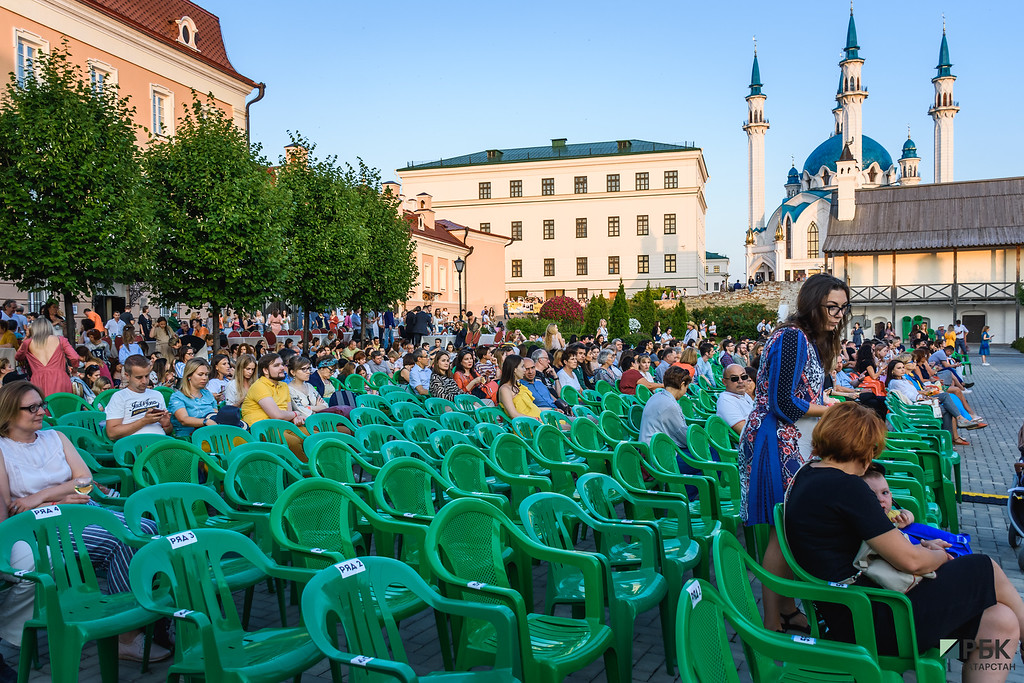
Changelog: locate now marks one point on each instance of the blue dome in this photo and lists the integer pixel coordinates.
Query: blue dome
(794, 176)
(829, 151)
(909, 150)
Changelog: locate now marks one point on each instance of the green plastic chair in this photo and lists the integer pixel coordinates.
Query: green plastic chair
(93, 420)
(318, 423)
(399, 391)
(103, 398)
(166, 392)
(63, 403)
(551, 444)
(643, 394)
(464, 551)
(519, 457)
(615, 403)
(570, 396)
(439, 406)
(588, 443)
(273, 431)
(277, 449)
(723, 439)
(484, 433)
(602, 387)
(68, 602)
(174, 460)
(362, 417)
(492, 415)
(525, 427)
(614, 428)
(342, 595)
(373, 401)
(380, 379)
(443, 439)
(180, 507)
(408, 488)
(128, 448)
(338, 459)
(458, 422)
(255, 480)
(221, 439)
(467, 403)
(665, 453)
(182, 577)
(473, 474)
(705, 654)
(928, 666)
(356, 384)
(553, 520)
(419, 429)
(556, 419)
(407, 449)
(408, 411)
(373, 436)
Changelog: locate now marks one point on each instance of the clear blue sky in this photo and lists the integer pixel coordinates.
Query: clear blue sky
(398, 82)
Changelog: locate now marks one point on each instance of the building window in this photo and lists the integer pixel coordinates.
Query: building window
(643, 181)
(613, 226)
(187, 32)
(515, 188)
(549, 267)
(705, 270)
(671, 180)
(485, 227)
(101, 75)
(549, 230)
(812, 241)
(517, 231)
(162, 104)
(613, 182)
(581, 265)
(582, 294)
(718, 269)
(643, 263)
(37, 298)
(670, 263)
(789, 238)
(485, 190)
(613, 265)
(428, 283)
(547, 186)
(670, 224)
(27, 48)
(442, 278)
(517, 268)
(643, 225)
(579, 184)
(581, 228)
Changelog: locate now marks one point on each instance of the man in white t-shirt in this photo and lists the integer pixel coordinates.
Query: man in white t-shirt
(961, 337)
(137, 409)
(735, 404)
(115, 326)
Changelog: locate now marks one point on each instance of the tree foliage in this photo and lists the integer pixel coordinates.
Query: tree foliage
(644, 309)
(618, 317)
(596, 311)
(74, 213)
(320, 223)
(676, 318)
(220, 218)
(378, 264)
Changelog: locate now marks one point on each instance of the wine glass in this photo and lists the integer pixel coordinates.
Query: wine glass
(83, 485)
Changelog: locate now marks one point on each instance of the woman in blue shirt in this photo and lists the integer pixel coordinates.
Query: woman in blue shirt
(193, 405)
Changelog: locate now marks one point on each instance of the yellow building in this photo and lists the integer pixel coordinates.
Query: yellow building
(581, 216)
(156, 52)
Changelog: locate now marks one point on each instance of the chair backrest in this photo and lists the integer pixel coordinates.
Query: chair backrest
(420, 428)
(456, 421)
(166, 392)
(570, 395)
(407, 410)
(511, 453)
(613, 402)
(487, 432)
(373, 436)
(602, 387)
(555, 418)
(466, 466)
(464, 540)
(467, 403)
(397, 389)
(444, 439)
(103, 398)
(357, 384)
(273, 431)
(319, 423)
(93, 420)
(258, 479)
(585, 433)
(439, 406)
(362, 417)
(316, 514)
(84, 439)
(611, 425)
(663, 450)
(719, 432)
(408, 449)
(174, 507)
(64, 403)
(127, 449)
(550, 442)
(335, 459)
(702, 641)
(686, 405)
(525, 427)
(277, 449)
(643, 394)
(373, 401)
(407, 485)
(220, 439)
(491, 414)
(697, 443)
(379, 379)
(173, 460)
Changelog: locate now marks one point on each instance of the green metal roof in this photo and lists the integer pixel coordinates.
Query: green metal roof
(755, 78)
(852, 47)
(944, 65)
(553, 151)
(712, 256)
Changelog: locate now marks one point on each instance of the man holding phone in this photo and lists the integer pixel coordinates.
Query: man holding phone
(137, 409)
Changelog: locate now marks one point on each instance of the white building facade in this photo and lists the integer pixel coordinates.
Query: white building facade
(581, 216)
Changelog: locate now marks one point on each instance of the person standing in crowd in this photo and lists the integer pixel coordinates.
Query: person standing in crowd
(389, 329)
(983, 348)
(788, 400)
(115, 326)
(137, 409)
(145, 323)
(162, 334)
(48, 357)
(130, 345)
(857, 335)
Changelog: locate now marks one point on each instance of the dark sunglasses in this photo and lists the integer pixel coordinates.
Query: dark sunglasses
(737, 378)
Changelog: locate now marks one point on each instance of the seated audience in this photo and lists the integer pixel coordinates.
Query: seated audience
(632, 376)
(516, 399)
(238, 387)
(735, 403)
(193, 405)
(137, 409)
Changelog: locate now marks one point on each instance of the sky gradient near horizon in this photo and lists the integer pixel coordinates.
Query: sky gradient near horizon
(401, 82)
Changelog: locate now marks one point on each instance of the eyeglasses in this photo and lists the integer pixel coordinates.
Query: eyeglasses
(835, 311)
(34, 408)
(738, 378)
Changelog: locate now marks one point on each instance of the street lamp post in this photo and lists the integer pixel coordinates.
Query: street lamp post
(460, 264)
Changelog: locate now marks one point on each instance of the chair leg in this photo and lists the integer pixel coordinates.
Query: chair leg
(64, 667)
(281, 606)
(107, 648)
(667, 608)
(29, 653)
(247, 606)
(611, 666)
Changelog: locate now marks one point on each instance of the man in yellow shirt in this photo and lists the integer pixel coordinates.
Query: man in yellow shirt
(268, 397)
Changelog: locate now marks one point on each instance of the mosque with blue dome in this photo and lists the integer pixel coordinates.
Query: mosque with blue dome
(788, 245)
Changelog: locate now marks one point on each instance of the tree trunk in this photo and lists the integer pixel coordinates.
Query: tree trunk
(307, 338)
(69, 316)
(216, 326)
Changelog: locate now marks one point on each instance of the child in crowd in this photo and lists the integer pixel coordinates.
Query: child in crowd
(875, 478)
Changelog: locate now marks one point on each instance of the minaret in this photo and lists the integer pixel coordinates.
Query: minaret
(756, 126)
(847, 170)
(838, 110)
(943, 110)
(852, 94)
(792, 181)
(908, 163)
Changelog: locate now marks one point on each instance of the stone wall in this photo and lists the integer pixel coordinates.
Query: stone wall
(770, 294)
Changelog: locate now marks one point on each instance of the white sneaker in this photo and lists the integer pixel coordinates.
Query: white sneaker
(986, 363)
(132, 651)
(968, 391)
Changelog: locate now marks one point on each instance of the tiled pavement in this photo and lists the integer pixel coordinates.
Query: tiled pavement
(987, 468)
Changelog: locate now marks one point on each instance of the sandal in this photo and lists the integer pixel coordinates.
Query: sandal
(960, 441)
(788, 625)
(977, 425)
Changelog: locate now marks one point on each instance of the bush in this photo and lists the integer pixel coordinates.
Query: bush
(1018, 344)
(618, 317)
(562, 309)
(643, 308)
(734, 321)
(596, 310)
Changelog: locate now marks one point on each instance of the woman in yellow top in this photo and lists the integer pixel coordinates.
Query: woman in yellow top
(516, 399)
(7, 338)
(950, 336)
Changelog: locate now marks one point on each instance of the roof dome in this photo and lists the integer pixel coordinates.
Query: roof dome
(909, 149)
(794, 176)
(829, 151)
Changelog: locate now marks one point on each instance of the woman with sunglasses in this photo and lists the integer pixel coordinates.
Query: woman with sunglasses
(788, 400)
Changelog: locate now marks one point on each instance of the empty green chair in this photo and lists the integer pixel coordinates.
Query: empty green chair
(419, 429)
(457, 421)
(556, 419)
(182, 577)
(347, 594)
(180, 461)
(220, 439)
(339, 460)
(362, 417)
(525, 427)
(705, 653)
(665, 455)
(464, 549)
(613, 428)
(442, 440)
(474, 474)
(491, 414)
(468, 403)
(63, 403)
(318, 423)
(379, 379)
(486, 432)
(553, 520)
(126, 449)
(588, 442)
(570, 395)
(602, 387)
(255, 480)
(407, 411)
(357, 384)
(93, 420)
(439, 406)
(643, 394)
(275, 431)
(410, 489)
(277, 449)
(552, 445)
(373, 401)
(408, 449)
(373, 436)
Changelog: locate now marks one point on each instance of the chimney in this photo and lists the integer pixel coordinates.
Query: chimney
(846, 185)
(558, 143)
(425, 210)
(624, 145)
(296, 153)
(494, 155)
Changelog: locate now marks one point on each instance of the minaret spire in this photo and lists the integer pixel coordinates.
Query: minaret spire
(943, 111)
(755, 127)
(851, 94)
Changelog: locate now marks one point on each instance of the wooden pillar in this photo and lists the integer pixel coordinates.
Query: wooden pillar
(846, 268)
(1016, 298)
(955, 286)
(893, 293)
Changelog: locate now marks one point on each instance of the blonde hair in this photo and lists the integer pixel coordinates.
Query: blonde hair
(549, 335)
(191, 367)
(243, 362)
(40, 330)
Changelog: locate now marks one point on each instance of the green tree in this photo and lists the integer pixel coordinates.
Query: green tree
(220, 217)
(618, 317)
(74, 216)
(596, 311)
(644, 309)
(379, 264)
(320, 223)
(677, 317)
